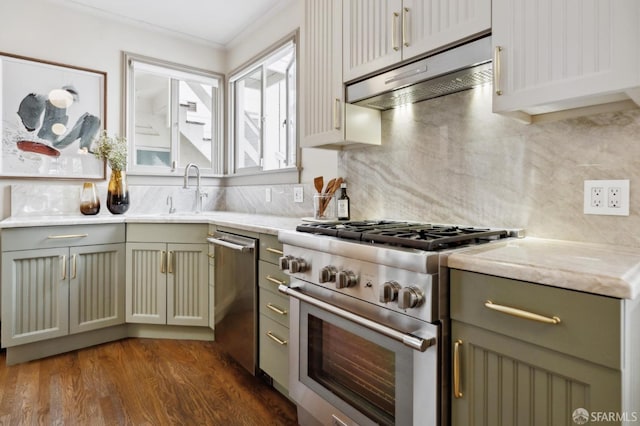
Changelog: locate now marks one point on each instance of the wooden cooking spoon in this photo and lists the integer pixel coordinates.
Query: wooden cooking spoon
(318, 183)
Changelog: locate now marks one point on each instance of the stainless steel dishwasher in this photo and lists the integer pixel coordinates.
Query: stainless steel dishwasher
(235, 299)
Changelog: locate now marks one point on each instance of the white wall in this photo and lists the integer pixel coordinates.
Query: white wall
(48, 31)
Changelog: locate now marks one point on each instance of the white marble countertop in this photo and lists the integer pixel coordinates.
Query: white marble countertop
(249, 222)
(593, 268)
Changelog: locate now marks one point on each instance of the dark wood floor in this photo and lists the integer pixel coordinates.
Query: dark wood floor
(139, 382)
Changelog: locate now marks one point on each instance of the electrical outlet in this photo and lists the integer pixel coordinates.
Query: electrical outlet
(606, 197)
(613, 197)
(597, 196)
(298, 194)
(267, 195)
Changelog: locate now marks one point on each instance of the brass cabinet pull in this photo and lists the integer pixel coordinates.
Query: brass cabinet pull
(521, 314)
(405, 17)
(74, 266)
(276, 338)
(170, 262)
(497, 70)
(211, 256)
(163, 266)
(276, 309)
(457, 393)
(275, 251)
(63, 259)
(336, 114)
(394, 29)
(275, 280)
(61, 237)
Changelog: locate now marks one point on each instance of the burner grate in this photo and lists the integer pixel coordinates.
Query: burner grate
(404, 234)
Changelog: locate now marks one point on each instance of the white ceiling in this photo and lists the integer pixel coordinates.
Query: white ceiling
(215, 22)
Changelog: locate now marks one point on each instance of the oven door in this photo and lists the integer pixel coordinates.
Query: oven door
(347, 370)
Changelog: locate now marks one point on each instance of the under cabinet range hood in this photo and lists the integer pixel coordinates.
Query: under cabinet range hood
(451, 71)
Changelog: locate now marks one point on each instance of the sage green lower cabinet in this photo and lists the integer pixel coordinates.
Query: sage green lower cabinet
(70, 285)
(273, 315)
(515, 370)
(167, 282)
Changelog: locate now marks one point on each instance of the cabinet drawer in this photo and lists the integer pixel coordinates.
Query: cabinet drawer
(167, 233)
(270, 248)
(274, 350)
(270, 276)
(274, 306)
(589, 326)
(41, 237)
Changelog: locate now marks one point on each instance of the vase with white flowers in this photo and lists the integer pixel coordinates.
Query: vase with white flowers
(114, 150)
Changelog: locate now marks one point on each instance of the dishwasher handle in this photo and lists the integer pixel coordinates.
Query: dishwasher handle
(234, 243)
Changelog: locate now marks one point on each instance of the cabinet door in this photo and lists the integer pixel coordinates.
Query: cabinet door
(372, 36)
(96, 288)
(322, 93)
(187, 284)
(35, 295)
(146, 283)
(555, 51)
(508, 381)
(432, 24)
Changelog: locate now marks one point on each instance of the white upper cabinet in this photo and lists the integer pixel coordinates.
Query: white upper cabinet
(553, 55)
(380, 33)
(326, 121)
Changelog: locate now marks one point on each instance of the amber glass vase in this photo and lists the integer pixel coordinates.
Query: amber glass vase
(118, 192)
(89, 201)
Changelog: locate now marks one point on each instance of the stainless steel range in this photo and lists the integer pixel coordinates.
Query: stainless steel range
(369, 320)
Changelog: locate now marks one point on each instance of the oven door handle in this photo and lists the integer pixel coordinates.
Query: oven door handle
(409, 340)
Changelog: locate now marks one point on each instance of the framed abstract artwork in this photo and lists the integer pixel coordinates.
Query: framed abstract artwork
(51, 113)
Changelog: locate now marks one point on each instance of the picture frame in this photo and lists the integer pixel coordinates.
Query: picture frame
(50, 115)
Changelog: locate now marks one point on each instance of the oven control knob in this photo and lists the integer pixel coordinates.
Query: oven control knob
(389, 291)
(410, 297)
(327, 274)
(297, 265)
(346, 279)
(284, 262)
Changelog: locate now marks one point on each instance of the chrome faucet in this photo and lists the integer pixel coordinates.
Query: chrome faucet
(199, 193)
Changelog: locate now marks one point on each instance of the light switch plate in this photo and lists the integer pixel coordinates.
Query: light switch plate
(606, 197)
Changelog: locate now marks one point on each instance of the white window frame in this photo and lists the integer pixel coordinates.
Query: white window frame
(256, 175)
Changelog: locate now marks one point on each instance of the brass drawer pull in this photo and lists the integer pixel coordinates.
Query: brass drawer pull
(61, 237)
(275, 280)
(170, 262)
(497, 70)
(276, 309)
(457, 393)
(405, 18)
(276, 338)
(521, 314)
(275, 251)
(63, 266)
(211, 256)
(74, 267)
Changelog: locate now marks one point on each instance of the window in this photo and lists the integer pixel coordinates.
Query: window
(173, 117)
(263, 135)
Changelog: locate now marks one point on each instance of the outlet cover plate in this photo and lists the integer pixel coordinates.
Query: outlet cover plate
(606, 197)
(298, 194)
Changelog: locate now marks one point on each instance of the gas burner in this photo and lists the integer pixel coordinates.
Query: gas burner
(405, 234)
